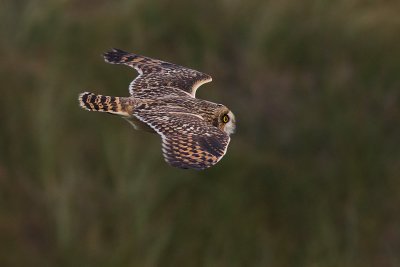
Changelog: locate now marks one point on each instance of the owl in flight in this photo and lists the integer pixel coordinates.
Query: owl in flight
(195, 133)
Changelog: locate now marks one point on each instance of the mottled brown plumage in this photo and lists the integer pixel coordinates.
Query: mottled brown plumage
(195, 132)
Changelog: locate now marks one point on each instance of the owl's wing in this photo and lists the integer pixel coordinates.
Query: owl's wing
(188, 142)
(155, 73)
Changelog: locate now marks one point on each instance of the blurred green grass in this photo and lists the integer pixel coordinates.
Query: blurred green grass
(311, 177)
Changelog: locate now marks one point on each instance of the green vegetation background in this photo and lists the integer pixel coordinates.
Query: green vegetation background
(312, 177)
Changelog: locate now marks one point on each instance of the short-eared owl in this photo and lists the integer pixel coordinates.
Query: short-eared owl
(194, 132)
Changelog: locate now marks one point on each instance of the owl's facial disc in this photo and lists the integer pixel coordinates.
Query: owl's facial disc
(229, 122)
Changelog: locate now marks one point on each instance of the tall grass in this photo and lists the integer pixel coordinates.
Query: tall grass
(311, 178)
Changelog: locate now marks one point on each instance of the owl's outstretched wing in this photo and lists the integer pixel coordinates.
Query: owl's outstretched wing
(155, 73)
(188, 142)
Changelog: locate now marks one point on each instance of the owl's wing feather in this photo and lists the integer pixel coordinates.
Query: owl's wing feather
(188, 142)
(155, 73)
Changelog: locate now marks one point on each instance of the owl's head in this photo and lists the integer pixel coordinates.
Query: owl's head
(225, 120)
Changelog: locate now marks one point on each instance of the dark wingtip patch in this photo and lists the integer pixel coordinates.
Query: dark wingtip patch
(211, 145)
(119, 50)
(114, 55)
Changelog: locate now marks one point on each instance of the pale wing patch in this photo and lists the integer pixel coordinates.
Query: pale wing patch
(198, 84)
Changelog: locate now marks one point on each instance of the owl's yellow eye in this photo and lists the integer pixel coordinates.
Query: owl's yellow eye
(225, 118)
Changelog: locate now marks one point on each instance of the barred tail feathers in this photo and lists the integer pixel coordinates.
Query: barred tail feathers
(109, 104)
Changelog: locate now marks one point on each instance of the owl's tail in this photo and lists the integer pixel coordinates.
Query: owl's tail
(109, 104)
